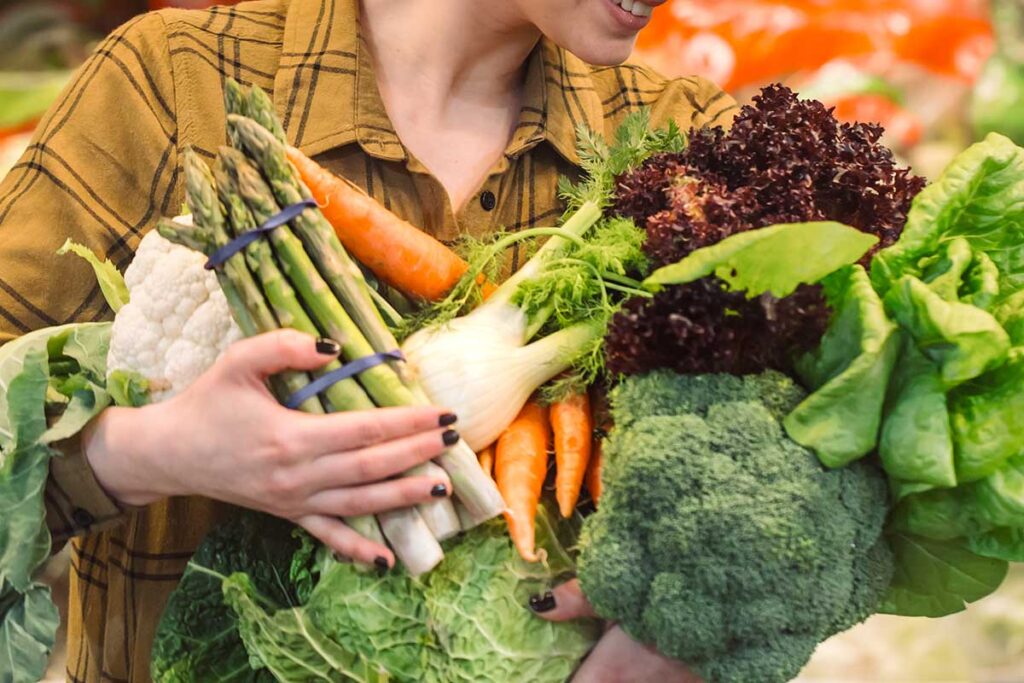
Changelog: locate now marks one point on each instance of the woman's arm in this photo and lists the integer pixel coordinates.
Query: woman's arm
(227, 438)
(101, 169)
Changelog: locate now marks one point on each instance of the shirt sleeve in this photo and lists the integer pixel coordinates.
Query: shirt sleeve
(101, 169)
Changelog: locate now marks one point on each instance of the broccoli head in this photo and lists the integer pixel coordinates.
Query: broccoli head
(721, 541)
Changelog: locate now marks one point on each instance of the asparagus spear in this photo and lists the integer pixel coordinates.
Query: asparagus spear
(381, 382)
(476, 490)
(206, 234)
(290, 314)
(247, 186)
(209, 232)
(344, 395)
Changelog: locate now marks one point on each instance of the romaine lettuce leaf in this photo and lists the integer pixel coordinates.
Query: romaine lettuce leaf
(848, 374)
(936, 578)
(980, 197)
(1004, 543)
(985, 415)
(999, 497)
(962, 340)
(916, 444)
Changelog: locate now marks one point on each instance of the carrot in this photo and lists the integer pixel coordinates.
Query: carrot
(397, 252)
(601, 418)
(520, 465)
(573, 430)
(594, 471)
(486, 457)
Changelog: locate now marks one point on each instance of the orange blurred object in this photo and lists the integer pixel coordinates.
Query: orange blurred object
(748, 42)
(902, 126)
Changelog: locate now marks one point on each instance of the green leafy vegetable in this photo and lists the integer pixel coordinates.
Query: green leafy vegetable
(27, 631)
(985, 416)
(916, 443)
(962, 340)
(111, 282)
(759, 261)
(306, 617)
(979, 197)
(198, 637)
(849, 373)
(34, 370)
(935, 578)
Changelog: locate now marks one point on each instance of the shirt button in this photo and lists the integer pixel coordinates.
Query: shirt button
(82, 517)
(488, 200)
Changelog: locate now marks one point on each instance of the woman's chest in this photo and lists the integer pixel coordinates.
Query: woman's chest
(522, 192)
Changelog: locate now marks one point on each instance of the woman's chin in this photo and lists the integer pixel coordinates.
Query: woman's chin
(602, 51)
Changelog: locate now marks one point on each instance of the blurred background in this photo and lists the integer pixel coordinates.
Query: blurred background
(937, 74)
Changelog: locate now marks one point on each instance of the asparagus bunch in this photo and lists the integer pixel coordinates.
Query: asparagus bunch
(475, 490)
(413, 542)
(300, 276)
(243, 190)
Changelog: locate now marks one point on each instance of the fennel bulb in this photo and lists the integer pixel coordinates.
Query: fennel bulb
(480, 367)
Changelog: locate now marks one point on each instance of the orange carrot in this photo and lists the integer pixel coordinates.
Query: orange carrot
(573, 430)
(594, 471)
(520, 465)
(397, 252)
(602, 419)
(486, 457)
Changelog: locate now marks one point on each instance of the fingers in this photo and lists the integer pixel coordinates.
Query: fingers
(617, 658)
(562, 603)
(268, 354)
(376, 463)
(340, 538)
(322, 435)
(373, 498)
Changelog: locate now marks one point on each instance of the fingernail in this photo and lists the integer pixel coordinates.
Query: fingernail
(381, 564)
(327, 347)
(439, 491)
(542, 603)
(447, 420)
(450, 437)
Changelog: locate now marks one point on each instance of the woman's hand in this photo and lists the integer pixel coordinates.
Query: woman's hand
(616, 658)
(226, 437)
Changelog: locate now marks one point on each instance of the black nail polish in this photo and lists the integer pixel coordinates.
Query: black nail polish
(439, 491)
(450, 437)
(447, 420)
(382, 564)
(542, 603)
(327, 347)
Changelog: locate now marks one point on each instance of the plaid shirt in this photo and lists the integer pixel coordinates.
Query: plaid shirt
(104, 166)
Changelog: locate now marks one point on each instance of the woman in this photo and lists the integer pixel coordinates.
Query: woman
(458, 115)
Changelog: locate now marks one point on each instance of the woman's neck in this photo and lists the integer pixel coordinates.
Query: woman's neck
(452, 49)
(451, 76)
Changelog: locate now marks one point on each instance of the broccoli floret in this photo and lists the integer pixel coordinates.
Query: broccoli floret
(721, 541)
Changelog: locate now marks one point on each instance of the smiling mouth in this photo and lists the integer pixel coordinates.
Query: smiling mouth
(634, 7)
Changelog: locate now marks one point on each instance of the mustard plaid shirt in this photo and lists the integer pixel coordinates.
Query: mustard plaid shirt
(104, 166)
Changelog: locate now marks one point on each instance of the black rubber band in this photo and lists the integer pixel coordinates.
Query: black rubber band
(219, 257)
(346, 371)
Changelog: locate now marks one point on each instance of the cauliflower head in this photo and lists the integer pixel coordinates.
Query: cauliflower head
(721, 541)
(177, 321)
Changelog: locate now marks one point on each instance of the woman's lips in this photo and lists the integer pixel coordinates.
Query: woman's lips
(631, 14)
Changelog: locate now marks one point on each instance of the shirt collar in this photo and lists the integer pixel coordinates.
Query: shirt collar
(327, 96)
